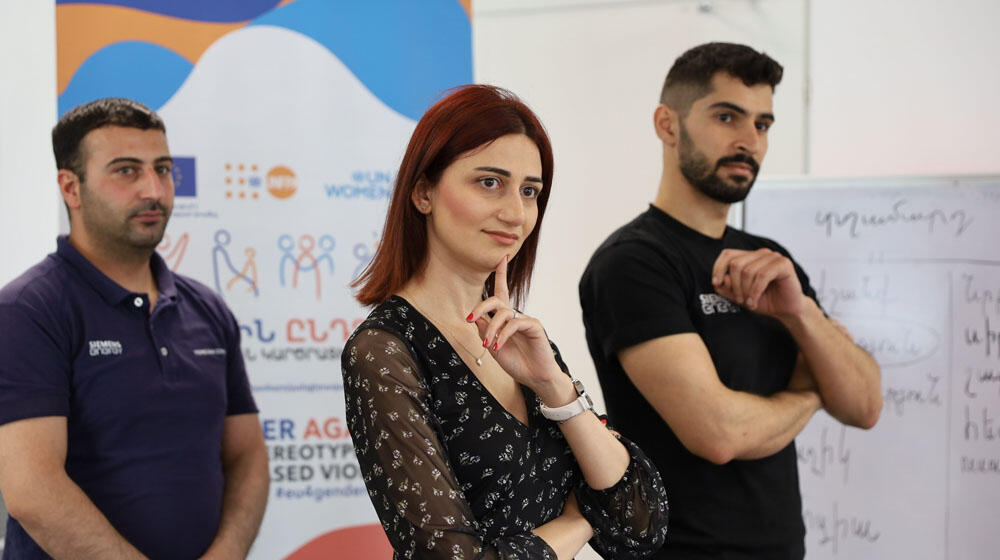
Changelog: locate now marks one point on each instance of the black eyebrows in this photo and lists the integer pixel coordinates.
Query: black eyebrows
(507, 174)
(740, 110)
(127, 159)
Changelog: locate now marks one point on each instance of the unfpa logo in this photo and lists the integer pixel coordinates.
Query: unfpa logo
(244, 181)
(281, 182)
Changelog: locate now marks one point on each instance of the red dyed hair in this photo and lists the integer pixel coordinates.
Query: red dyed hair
(467, 118)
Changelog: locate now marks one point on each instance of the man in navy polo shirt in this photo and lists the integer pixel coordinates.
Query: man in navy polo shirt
(127, 427)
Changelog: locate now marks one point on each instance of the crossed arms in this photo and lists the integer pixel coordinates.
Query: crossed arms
(676, 374)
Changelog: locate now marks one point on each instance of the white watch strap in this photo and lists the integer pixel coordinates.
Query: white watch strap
(581, 404)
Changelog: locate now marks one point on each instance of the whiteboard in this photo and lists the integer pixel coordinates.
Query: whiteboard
(912, 268)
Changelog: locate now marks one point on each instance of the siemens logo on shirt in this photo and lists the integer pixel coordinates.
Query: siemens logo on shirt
(105, 348)
(209, 351)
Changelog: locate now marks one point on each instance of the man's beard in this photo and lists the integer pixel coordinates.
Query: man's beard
(104, 223)
(702, 176)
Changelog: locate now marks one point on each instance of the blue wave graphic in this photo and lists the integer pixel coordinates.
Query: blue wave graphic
(218, 11)
(138, 70)
(405, 53)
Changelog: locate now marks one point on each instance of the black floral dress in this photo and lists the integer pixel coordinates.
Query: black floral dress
(453, 475)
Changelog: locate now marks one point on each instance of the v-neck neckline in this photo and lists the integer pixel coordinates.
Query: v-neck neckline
(526, 393)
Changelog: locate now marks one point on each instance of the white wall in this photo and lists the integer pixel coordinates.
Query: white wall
(29, 201)
(905, 87)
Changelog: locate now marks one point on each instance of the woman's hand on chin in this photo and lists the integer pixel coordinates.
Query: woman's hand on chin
(517, 342)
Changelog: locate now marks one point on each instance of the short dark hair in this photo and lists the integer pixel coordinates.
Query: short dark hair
(80, 120)
(467, 118)
(690, 78)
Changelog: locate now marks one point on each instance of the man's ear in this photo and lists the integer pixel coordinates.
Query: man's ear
(69, 188)
(421, 196)
(666, 123)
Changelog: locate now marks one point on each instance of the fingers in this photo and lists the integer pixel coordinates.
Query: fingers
(500, 279)
(490, 327)
(511, 327)
(744, 276)
(761, 273)
(497, 322)
(721, 266)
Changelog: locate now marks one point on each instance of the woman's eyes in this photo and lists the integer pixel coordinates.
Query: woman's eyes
(489, 182)
(493, 183)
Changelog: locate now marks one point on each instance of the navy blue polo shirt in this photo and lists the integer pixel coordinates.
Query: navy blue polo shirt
(145, 395)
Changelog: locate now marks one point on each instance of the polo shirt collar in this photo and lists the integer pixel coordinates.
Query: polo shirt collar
(111, 292)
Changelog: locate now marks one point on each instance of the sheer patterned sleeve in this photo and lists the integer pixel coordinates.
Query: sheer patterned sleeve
(408, 476)
(630, 518)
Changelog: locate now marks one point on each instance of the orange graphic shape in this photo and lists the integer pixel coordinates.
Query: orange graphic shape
(467, 6)
(84, 29)
(365, 541)
(281, 182)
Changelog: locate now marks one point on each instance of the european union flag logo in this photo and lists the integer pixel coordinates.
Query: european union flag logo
(184, 182)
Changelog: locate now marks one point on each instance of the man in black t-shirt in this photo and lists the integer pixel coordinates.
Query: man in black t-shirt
(710, 347)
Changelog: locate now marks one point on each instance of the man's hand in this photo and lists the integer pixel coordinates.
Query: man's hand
(244, 464)
(763, 281)
(846, 377)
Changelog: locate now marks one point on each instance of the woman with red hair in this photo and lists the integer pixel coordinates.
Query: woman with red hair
(473, 439)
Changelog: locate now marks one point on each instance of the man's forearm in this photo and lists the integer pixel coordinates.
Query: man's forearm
(243, 503)
(60, 517)
(848, 378)
(789, 414)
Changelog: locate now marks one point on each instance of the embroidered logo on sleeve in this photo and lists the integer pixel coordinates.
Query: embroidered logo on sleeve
(105, 348)
(714, 303)
(209, 351)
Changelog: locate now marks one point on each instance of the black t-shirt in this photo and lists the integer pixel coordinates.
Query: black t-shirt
(652, 278)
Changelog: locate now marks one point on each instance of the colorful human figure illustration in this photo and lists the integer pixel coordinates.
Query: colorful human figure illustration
(173, 252)
(287, 245)
(220, 253)
(306, 261)
(249, 271)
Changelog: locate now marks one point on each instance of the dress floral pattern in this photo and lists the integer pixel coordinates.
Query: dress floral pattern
(453, 475)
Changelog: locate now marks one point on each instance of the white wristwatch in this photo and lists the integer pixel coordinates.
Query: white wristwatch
(582, 404)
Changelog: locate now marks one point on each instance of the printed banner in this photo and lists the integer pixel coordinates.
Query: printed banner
(287, 120)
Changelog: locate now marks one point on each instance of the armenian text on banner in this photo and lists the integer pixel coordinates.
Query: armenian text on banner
(287, 120)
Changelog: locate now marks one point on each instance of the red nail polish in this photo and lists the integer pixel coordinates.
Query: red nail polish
(495, 346)
(486, 342)
(469, 318)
